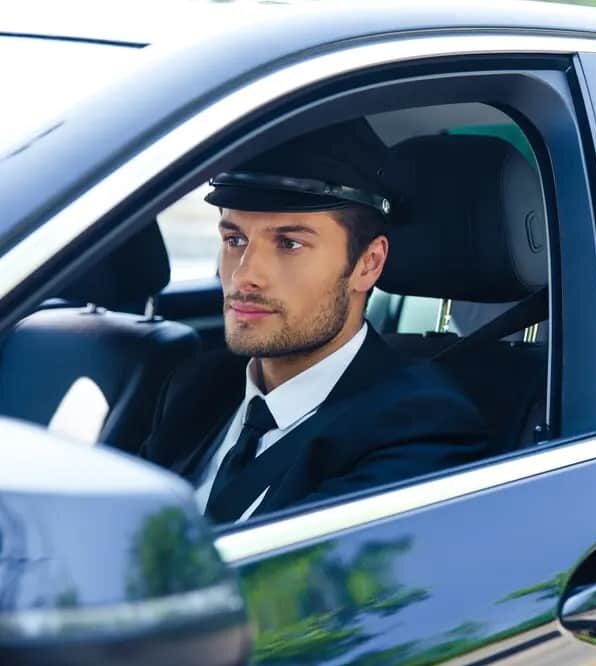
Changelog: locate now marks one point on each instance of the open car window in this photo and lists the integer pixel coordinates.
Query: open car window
(419, 319)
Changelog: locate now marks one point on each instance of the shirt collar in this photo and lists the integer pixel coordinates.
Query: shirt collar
(300, 395)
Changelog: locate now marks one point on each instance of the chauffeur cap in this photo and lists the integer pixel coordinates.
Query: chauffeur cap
(333, 167)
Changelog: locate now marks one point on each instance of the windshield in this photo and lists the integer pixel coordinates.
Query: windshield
(41, 78)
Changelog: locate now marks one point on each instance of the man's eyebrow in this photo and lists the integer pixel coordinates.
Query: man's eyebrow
(285, 229)
(226, 224)
(292, 229)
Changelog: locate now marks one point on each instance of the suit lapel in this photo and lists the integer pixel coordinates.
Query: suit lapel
(192, 466)
(268, 468)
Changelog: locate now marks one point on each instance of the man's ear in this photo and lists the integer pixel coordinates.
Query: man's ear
(370, 265)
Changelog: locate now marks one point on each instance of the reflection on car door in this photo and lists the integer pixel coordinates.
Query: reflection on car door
(474, 579)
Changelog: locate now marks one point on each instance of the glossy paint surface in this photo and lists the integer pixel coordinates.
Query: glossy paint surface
(60, 551)
(463, 581)
(100, 550)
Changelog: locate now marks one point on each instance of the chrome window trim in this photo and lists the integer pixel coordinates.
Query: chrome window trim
(307, 528)
(61, 229)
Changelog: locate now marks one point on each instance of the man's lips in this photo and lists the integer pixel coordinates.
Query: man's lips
(250, 310)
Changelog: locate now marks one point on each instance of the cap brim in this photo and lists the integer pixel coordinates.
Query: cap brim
(253, 199)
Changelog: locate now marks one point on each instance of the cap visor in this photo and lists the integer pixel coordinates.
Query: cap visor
(244, 198)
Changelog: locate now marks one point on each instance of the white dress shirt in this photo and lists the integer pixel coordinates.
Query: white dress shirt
(290, 403)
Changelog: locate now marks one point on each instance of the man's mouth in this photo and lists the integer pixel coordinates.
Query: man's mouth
(249, 310)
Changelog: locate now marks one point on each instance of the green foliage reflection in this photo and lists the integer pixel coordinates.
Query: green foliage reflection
(469, 636)
(313, 605)
(549, 589)
(306, 606)
(169, 556)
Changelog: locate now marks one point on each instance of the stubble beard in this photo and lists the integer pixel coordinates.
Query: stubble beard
(313, 333)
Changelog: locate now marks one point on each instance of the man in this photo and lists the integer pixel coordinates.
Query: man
(323, 407)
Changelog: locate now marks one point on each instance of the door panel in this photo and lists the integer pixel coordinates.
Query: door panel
(470, 581)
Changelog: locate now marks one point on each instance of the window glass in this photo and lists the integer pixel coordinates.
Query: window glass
(419, 314)
(517, 389)
(507, 131)
(392, 313)
(189, 228)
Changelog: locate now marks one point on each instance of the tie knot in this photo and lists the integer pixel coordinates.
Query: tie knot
(258, 417)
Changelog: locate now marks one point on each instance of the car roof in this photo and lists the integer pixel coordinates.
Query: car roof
(149, 22)
(216, 48)
(111, 21)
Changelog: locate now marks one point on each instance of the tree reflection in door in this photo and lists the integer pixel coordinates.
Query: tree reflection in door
(304, 606)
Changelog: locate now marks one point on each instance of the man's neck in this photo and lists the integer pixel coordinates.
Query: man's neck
(273, 372)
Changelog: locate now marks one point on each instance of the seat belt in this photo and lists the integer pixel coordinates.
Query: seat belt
(531, 310)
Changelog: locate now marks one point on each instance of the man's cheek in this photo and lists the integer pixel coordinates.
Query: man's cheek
(225, 271)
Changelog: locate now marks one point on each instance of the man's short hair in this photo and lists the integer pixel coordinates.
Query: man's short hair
(363, 225)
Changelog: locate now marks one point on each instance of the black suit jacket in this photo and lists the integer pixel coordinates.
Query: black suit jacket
(384, 421)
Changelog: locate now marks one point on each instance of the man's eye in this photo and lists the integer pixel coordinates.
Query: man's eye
(289, 244)
(235, 241)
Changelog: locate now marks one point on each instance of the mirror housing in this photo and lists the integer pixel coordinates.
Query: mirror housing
(105, 559)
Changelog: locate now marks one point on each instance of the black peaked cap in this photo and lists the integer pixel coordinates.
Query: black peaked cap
(347, 154)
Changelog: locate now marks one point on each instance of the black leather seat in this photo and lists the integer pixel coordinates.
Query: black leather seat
(473, 229)
(91, 372)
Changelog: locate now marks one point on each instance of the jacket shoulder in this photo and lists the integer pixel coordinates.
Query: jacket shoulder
(192, 400)
(203, 378)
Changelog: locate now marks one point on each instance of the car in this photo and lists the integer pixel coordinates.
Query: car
(104, 557)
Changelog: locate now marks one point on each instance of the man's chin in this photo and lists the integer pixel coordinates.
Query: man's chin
(245, 344)
(255, 342)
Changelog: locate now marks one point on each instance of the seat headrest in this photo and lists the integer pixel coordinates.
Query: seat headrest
(134, 271)
(473, 224)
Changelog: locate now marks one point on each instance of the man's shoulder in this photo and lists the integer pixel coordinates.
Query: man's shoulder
(212, 363)
(408, 395)
(202, 388)
(378, 364)
(205, 378)
(395, 372)
(424, 382)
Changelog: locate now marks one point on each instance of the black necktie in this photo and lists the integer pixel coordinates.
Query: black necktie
(257, 421)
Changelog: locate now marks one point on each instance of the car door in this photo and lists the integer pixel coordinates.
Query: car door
(468, 568)
(471, 565)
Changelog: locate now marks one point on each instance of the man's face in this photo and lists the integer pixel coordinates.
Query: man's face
(284, 279)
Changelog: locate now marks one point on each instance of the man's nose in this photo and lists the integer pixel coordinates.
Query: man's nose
(250, 274)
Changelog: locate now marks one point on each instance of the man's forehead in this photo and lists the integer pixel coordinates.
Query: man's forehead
(309, 221)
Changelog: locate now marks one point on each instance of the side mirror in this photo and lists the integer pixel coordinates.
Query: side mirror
(104, 559)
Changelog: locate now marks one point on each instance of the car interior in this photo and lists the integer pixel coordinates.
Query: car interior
(465, 285)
